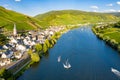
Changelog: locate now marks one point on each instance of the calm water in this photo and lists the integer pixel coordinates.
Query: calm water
(90, 58)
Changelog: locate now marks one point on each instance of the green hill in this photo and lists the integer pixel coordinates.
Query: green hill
(66, 17)
(115, 14)
(63, 17)
(23, 22)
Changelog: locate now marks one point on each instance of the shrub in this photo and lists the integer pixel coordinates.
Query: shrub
(118, 48)
(107, 38)
(35, 57)
(5, 73)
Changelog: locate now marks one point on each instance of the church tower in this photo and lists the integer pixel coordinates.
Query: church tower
(14, 30)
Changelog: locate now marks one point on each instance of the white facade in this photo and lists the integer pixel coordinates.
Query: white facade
(6, 56)
(18, 56)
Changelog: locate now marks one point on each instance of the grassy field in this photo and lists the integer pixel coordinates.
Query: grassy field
(111, 32)
(114, 35)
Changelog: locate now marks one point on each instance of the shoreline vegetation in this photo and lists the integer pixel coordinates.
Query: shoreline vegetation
(110, 33)
(38, 51)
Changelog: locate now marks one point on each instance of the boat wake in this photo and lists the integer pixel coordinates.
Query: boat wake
(66, 65)
(115, 71)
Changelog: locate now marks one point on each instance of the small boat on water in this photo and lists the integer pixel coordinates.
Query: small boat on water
(67, 65)
(116, 72)
(59, 58)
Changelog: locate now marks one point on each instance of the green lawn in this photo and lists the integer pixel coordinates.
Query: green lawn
(113, 35)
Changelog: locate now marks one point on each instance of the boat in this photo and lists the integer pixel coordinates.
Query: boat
(116, 72)
(59, 58)
(67, 65)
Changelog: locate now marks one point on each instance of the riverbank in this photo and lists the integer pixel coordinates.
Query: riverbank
(43, 49)
(20, 45)
(110, 33)
(82, 48)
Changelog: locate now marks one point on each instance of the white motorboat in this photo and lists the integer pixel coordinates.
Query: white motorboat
(67, 65)
(116, 72)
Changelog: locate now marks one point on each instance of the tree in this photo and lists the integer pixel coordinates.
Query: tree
(38, 47)
(35, 57)
(3, 40)
(30, 52)
(47, 43)
(45, 48)
(2, 71)
(119, 48)
(117, 24)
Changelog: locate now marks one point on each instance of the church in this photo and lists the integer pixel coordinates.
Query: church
(14, 30)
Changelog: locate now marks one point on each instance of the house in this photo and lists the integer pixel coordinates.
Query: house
(5, 47)
(20, 47)
(41, 37)
(13, 40)
(18, 55)
(7, 54)
(4, 61)
(51, 32)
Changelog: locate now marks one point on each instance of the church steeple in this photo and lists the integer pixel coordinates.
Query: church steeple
(14, 30)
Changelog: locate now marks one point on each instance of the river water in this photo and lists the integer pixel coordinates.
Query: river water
(90, 59)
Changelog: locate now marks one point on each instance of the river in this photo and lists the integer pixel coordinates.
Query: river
(90, 59)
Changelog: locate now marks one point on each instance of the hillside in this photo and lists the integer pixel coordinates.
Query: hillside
(115, 14)
(66, 17)
(23, 22)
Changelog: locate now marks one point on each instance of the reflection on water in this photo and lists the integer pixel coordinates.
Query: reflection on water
(90, 58)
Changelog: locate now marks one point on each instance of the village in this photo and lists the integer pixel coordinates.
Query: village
(16, 50)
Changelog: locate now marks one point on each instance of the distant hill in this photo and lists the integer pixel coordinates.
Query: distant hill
(63, 17)
(115, 14)
(23, 22)
(66, 17)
